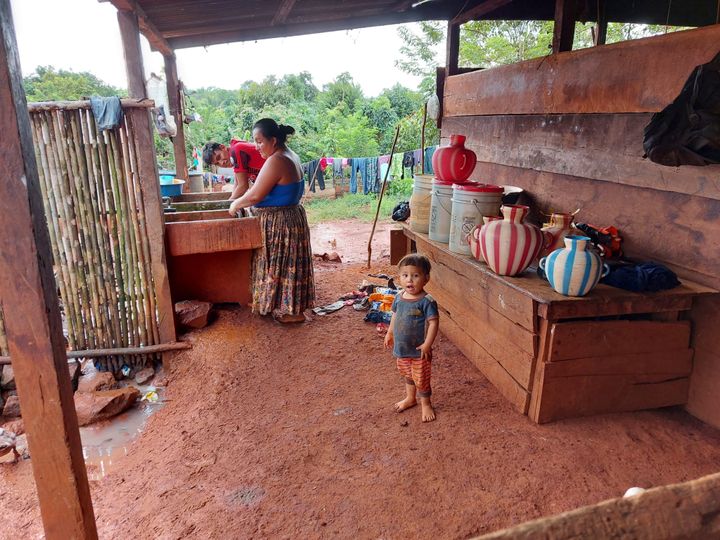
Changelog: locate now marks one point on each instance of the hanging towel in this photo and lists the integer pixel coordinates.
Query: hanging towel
(428, 159)
(354, 164)
(371, 181)
(107, 111)
(396, 168)
(337, 169)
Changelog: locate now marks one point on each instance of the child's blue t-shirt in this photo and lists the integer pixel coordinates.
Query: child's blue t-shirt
(409, 325)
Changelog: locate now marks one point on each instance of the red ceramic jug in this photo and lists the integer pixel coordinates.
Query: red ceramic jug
(454, 163)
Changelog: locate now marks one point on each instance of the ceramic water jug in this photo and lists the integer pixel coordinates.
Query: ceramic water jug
(560, 226)
(574, 270)
(454, 163)
(510, 245)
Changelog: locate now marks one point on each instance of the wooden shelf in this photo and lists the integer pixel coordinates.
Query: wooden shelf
(554, 356)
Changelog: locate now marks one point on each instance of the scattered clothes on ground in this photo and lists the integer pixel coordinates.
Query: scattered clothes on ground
(381, 276)
(329, 308)
(390, 280)
(375, 316)
(328, 257)
(107, 111)
(642, 277)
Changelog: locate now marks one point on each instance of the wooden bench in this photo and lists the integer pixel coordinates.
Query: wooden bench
(554, 356)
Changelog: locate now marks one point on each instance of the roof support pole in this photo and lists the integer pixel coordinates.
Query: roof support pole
(600, 34)
(175, 102)
(130, 35)
(148, 173)
(32, 315)
(453, 49)
(564, 30)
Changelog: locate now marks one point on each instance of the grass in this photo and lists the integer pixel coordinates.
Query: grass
(358, 205)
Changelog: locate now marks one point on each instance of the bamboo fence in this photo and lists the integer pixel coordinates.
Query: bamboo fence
(96, 221)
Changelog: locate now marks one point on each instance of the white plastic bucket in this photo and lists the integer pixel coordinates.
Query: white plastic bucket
(470, 202)
(440, 211)
(420, 203)
(196, 185)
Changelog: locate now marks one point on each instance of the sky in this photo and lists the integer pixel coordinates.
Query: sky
(83, 35)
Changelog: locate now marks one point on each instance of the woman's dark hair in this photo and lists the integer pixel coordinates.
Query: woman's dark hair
(270, 128)
(208, 151)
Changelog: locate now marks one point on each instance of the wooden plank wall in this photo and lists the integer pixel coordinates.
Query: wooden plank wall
(568, 129)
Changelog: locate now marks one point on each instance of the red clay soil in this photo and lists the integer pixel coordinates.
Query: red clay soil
(279, 432)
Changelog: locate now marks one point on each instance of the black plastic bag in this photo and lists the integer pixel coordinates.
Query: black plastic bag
(687, 132)
(401, 211)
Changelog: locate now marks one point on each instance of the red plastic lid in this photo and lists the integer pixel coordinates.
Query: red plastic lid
(445, 183)
(479, 188)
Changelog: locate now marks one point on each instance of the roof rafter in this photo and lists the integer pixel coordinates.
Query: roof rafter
(480, 9)
(147, 27)
(283, 12)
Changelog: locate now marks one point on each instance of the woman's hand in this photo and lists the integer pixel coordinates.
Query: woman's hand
(234, 207)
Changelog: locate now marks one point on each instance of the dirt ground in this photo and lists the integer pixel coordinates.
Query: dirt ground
(280, 432)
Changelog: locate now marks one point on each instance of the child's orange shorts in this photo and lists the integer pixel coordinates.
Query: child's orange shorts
(416, 371)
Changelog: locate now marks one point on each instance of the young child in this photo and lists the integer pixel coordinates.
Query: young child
(413, 329)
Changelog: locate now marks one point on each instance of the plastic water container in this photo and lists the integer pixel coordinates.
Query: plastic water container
(420, 203)
(440, 211)
(196, 184)
(166, 179)
(470, 202)
(172, 189)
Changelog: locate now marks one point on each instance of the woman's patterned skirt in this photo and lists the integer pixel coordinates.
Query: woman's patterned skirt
(282, 272)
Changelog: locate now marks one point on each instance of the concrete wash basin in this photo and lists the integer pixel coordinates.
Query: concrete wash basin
(209, 253)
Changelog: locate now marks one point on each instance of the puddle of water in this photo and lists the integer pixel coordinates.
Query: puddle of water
(106, 443)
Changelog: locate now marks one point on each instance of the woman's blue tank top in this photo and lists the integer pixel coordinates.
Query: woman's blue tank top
(284, 195)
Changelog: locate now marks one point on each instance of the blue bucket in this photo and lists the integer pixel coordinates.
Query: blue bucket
(173, 189)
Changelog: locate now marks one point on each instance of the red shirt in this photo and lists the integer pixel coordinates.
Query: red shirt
(245, 158)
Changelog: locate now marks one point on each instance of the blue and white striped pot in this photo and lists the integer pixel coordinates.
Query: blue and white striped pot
(572, 270)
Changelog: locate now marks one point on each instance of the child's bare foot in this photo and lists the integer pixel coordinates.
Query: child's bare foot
(406, 403)
(428, 413)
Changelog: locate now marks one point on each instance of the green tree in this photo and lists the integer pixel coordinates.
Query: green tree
(49, 84)
(342, 90)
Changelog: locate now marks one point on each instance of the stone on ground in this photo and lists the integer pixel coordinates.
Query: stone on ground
(193, 313)
(143, 376)
(95, 406)
(7, 381)
(96, 380)
(12, 407)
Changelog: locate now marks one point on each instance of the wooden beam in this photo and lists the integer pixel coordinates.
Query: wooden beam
(452, 49)
(175, 103)
(283, 12)
(600, 34)
(155, 223)
(119, 351)
(440, 76)
(130, 36)
(641, 75)
(688, 510)
(147, 27)
(32, 315)
(564, 29)
(476, 12)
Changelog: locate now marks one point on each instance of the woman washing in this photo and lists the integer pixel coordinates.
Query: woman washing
(282, 275)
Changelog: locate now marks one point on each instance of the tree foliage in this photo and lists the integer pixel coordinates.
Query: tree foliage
(49, 84)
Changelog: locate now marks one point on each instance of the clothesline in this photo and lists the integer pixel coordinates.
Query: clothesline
(368, 170)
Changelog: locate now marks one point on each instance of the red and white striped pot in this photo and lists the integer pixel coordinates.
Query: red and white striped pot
(509, 245)
(454, 163)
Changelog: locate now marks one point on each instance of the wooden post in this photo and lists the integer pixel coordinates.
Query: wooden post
(32, 315)
(130, 35)
(453, 49)
(173, 90)
(440, 74)
(154, 220)
(147, 171)
(601, 28)
(564, 30)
